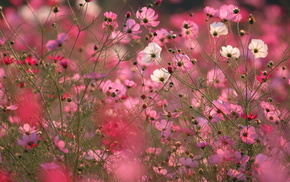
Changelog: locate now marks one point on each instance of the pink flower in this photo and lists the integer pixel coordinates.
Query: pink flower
(248, 135)
(210, 12)
(2, 41)
(263, 77)
(130, 84)
(236, 175)
(147, 17)
(202, 145)
(27, 130)
(60, 144)
(29, 141)
(216, 78)
(189, 29)
(249, 117)
(229, 13)
(221, 156)
(132, 28)
(188, 162)
(183, 63)
(114, 91)
(110, 22)
(53, 44)
(6, 108)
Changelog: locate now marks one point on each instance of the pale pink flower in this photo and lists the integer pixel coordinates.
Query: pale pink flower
(216, 78)
(160, 170)
(60, 144)
(152, 150)
(147, 17)
(130, 84)
(26, 129)
(54, 44)
(113, 90)
(162, 37)
(229, 13)
(182, 62)
(210, 12)
(248, 135)
(188, 162)
(6, 108)
(221, 156)
(132, 28)
(189, 29)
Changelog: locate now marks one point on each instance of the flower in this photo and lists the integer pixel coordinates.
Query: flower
(151, 52)
(29, 141)
(248, 135)
(132, 28)
(263, 77)
(229, 13)
(53, 44)
(60, 144)
(110, 22)
(230, 52)
(258, 48)
(218, 29)
(249, 117)
(27, 129)
(189, 28)
(147, 17)
(160, 75)
(216, 78)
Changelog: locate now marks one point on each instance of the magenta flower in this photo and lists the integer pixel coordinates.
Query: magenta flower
(132, 28)
(147, 17)
(263, 77)
(54, 44)
(249, 117)
(248, 135)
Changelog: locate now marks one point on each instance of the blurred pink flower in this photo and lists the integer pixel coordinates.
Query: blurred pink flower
(54, 44)
(248, 135)
(29, 141)
(110, 22)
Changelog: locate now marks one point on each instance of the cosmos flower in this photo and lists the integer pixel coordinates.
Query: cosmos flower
(258, 48)
(54, 44)
(151, 52)
(160, 75)
(147, 17)
(248, 135)
(218, 29)
(230, 52)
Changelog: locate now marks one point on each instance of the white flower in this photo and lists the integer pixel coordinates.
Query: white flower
(160, 75)
(258, 48)
(151, 52)
(217, 29)
(230, 52)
